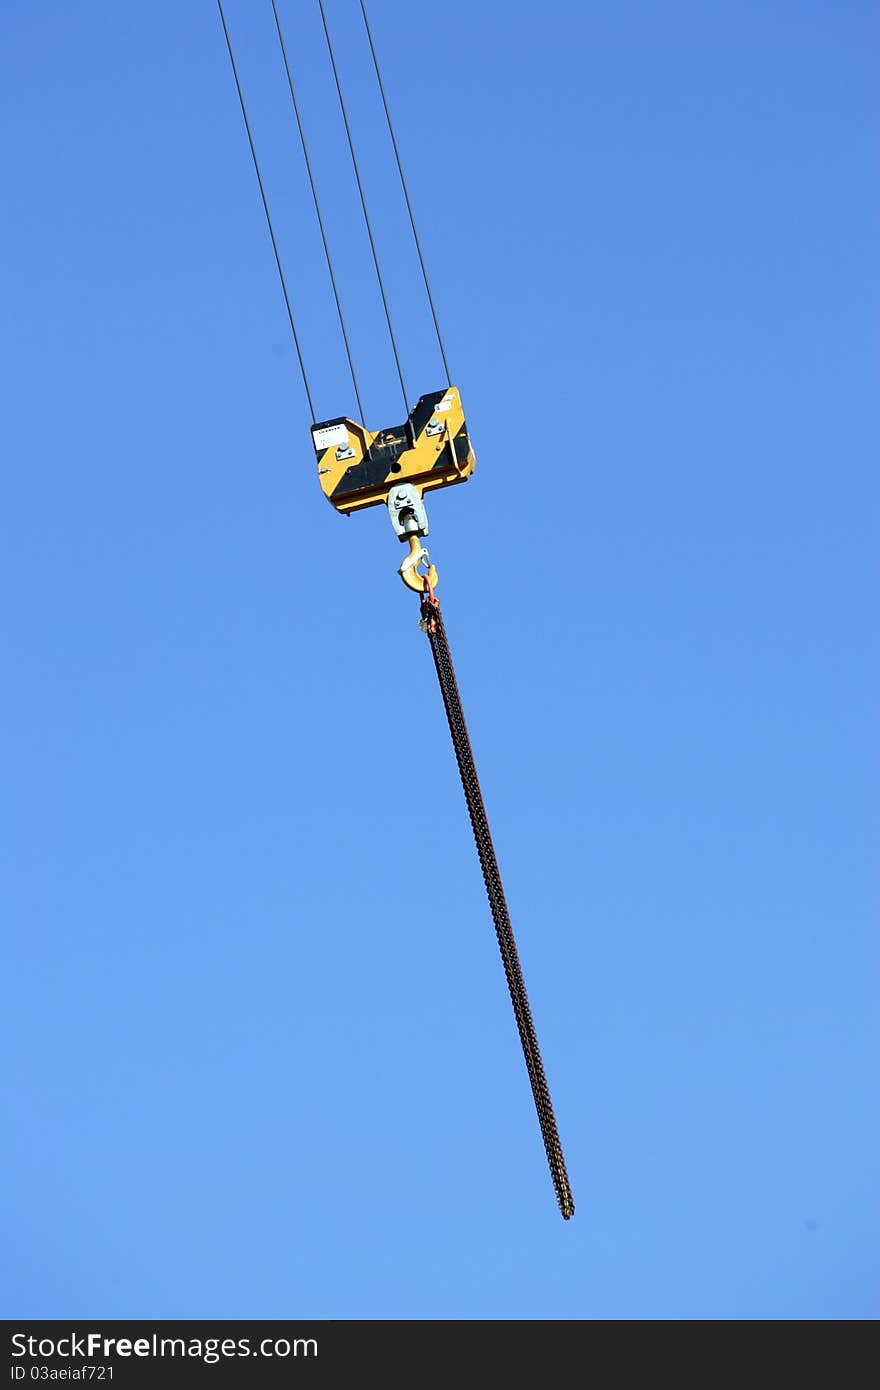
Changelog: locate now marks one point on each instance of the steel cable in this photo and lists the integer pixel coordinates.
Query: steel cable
(247, 126)
(357, 174)
(403, 185)
(302, 136)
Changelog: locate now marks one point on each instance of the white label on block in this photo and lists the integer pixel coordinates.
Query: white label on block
(328, 436)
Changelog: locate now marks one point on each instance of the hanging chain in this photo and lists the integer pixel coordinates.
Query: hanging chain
(432, 623)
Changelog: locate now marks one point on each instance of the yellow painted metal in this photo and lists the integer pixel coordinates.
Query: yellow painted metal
(409, 571)
(357, 467)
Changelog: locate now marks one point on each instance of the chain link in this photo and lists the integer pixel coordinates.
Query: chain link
(433, 625)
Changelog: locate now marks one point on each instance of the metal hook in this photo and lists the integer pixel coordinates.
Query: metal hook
(409, 571)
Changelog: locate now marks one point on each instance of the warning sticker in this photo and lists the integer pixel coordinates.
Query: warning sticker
(445, 404)
(328, 435)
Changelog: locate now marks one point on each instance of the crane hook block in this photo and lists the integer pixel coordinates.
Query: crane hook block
(356, 468)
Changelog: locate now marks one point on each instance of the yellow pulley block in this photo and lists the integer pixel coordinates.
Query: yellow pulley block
(356, 467)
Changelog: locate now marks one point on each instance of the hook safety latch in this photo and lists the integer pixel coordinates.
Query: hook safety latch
(409, 571)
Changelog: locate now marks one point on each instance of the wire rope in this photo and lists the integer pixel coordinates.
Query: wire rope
(305, 150)
(247, 126)
(403, 185)
(357, 174)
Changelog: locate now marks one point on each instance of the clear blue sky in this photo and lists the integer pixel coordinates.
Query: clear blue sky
(260, 1058)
